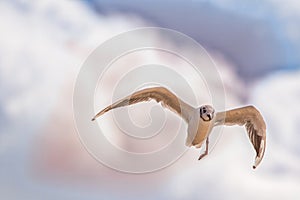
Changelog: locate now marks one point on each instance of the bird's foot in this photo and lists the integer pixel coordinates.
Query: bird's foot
(202, 155)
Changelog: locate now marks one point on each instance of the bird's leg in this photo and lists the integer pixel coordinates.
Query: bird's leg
(206, 150)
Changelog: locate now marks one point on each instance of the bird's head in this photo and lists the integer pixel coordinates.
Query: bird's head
(207, 112)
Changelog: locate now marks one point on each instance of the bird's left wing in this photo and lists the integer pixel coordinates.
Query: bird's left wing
(254, 123)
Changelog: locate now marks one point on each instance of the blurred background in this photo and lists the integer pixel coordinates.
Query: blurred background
(43, 44)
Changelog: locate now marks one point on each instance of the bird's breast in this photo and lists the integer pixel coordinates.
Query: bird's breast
(202, 133)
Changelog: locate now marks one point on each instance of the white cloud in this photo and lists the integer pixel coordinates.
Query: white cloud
(43, 44)
(280, 105)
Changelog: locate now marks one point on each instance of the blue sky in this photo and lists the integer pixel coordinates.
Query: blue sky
(253, 34)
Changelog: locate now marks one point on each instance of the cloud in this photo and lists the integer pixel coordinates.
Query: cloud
(42, 46)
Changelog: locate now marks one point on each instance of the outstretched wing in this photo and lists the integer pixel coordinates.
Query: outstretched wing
(160, 94)
(254, 123)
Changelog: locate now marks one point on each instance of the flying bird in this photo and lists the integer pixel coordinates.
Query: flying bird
(202, 120)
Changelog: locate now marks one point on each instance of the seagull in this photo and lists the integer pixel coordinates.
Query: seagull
(202, 120)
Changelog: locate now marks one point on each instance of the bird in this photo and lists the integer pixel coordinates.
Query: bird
(203, 119)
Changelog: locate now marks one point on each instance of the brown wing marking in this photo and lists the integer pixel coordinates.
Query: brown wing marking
(254, 123)
(160, 94)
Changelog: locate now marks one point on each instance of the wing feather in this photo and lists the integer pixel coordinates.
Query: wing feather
(254, 123)
(160, 94)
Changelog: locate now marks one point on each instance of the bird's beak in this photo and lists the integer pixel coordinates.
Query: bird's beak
(209, 116)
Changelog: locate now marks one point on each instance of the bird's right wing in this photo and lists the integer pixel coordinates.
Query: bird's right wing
(160, 94)
(254, 123)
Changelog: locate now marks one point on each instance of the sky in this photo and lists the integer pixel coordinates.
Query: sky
(226, 26)
(44, 47)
